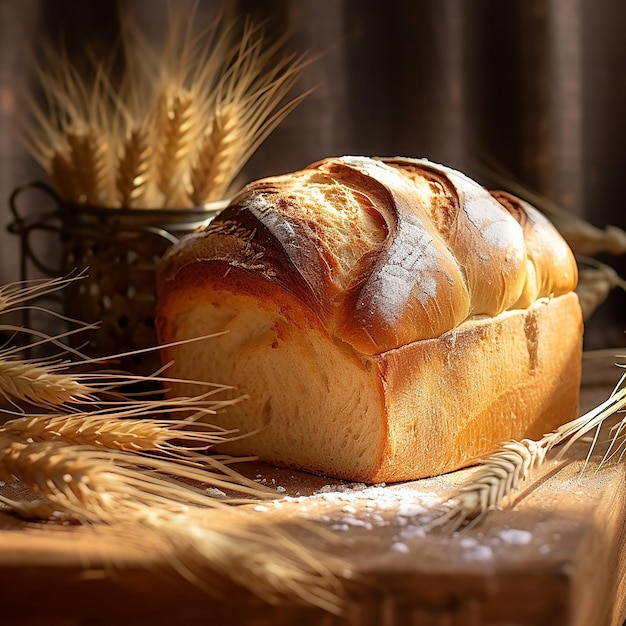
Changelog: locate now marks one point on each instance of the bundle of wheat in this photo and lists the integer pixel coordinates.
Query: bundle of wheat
(178, 126)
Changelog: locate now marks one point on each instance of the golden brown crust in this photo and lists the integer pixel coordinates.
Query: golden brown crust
(385, 251)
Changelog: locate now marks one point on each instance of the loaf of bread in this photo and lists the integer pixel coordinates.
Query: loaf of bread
(386, 319)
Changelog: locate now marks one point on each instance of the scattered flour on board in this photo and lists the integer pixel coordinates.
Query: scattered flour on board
(407, 511)
(349, 507)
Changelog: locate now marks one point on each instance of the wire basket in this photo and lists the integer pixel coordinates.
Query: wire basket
(118, 251)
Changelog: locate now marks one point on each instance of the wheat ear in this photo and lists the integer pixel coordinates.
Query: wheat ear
(177, 440)
(143, 434)
(28, 381)
(177, 127)
(133, 167)
(91, 164)
(500, 473)
(212, 172)
(64, 176)
(92, 484)
(249, 104)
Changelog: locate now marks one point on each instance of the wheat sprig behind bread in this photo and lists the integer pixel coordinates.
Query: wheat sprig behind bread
(583, 237)
(247, 109)
(595, 281)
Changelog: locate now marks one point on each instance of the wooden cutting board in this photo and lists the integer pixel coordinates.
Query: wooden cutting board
(555, 555)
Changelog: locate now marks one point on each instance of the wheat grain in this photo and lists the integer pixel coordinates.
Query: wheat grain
(91, 164)
(115, 431)
(63, 176)
(31, 509)
(131, 435)
(252, 95)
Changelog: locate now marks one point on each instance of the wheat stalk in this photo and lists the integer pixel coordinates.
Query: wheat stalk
(500, 473)
(176, 440)
(249, 105)
(19, 293)
(254, 555)
(101, 486)
(98, 457)
(595, 281)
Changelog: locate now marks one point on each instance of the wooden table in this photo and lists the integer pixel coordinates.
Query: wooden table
(554, 556)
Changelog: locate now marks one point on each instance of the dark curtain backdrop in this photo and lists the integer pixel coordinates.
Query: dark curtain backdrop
(537, 86)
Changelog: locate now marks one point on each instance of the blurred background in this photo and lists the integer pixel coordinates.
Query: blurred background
(534, 87)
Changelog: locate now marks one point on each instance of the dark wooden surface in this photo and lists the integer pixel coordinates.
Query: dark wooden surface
(553, 556)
